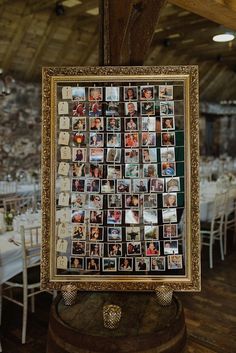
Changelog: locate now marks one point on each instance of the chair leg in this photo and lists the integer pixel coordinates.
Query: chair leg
(225, 237)
(211, 253)
(0, 305)
(32, 301)
(221, 247)
(25, 312)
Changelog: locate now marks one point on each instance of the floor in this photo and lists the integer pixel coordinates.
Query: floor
(210, 315)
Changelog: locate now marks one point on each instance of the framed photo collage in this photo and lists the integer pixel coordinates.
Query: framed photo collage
(119, 178)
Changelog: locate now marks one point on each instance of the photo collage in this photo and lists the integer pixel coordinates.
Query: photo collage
(120, 179)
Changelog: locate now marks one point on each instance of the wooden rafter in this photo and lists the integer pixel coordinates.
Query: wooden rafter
(219, 11)
(128, 29)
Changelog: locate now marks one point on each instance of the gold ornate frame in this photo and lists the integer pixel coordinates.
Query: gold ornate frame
(189, 75)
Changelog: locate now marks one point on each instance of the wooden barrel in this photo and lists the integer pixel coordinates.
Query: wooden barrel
(145, 326)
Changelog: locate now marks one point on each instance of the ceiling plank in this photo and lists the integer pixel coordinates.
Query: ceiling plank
(128, 30)
(215, 10)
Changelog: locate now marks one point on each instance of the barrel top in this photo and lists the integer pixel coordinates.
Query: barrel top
(141, 314)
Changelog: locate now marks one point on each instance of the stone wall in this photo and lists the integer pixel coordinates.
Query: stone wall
(20, 131)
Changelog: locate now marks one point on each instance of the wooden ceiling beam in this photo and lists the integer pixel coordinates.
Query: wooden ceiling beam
(128, 29)
(219, 11)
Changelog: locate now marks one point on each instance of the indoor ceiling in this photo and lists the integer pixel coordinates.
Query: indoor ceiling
(37, 33)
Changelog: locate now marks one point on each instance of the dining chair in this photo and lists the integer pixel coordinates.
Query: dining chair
(18, 204)
(8, 187)
(29, 279)
(230, 215)
(213, 230)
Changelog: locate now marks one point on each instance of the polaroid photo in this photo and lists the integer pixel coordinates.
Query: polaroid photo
(170, 231)
(172, 184)
(131, 109)
(79, 139)
(96, 154)
(78, 94)
(125, 264)
(78, 247)
(132, 216)
(95, 201)
(78, 185)
(169, 199)
(114, 201)
(113, 109)
(78, 200)
(149, 155)
(158, 263)
(92, 264)
(96, 139)
(151, 232)
(169, 215)
(132, 201)
(113, 123)
(148, 123)
(130, 93)
(79, 109)
(167, 154)
(132, 156)
(95, 94)
(114, 171)
(147, 108)
(95, 109)
(165, 92)
(150, 170)
(142, 264)
(131, 124)
(113, 155)
(77, 263)
(63, 108)
(79, 154)
(96, 124)
(78, 216)
(152, 248)
(132, 233)
(131, 139)
(108, 186)
(96, 217)
(132, 171)
(79, 124)
(148, 138)
(66, 92)
(167, 123)
(95, 249)
(175, 262)
(134, 248)
(113, 140)
(168, 169)
(150, 216)
(96, 233)
(171, 247)
(96, 170)
(64, 123)
(115, 249)
(123, 185)
(140, 185)
(109, 264)
(79, 231)
(93, 185)
(114, 234)
(147, 93)
(168, 139)
(167, 108)
(78, 169)
(114, 216)
(150, 201)
(112, 93)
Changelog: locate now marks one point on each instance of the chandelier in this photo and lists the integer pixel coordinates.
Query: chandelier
(6, 83)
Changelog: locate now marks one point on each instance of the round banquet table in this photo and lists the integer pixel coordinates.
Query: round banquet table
(145, 326)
